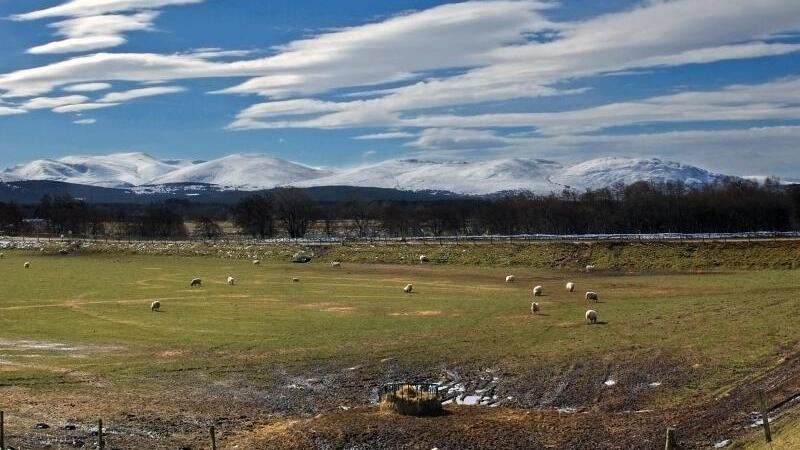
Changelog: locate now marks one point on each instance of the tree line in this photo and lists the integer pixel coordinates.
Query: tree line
(734, 205)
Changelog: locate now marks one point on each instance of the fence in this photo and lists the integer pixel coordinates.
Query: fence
(480, 239)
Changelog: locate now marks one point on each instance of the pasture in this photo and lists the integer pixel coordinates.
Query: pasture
(78, 330)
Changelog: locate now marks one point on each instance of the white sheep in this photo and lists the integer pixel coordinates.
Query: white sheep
(590, 267)
(408, 288)
(256, 262)
(336, 264)
(510, 279)
(423, 259)
(27, 265)
(592, 297)
(196, 282)
(538, 291)
(591, 316)
(155, 306)
(535, 308)
(571, 286)
(231, 281)
(295, 280)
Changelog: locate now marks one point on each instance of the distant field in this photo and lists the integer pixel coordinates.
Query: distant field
(73, 325)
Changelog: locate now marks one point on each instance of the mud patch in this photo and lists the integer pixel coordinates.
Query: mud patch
(417, 313)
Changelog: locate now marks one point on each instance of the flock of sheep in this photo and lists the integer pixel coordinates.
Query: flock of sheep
(591, 315)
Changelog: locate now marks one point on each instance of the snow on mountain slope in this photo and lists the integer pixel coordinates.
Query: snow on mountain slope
(116, 170)
(477, 177)
(604, 172)
(246, 172)
(253, 172)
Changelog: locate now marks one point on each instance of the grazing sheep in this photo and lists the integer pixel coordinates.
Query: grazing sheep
(534, 308)
(408, 288)
(423, 259)
(155, 306)
(196, 282)
(590, 267)
(256, 262)
(295, 280)
(592, 297)
(231, 281)
(27, 265)
(2, 255)
(336, 264)
(571, 286)
(537, 291)
(510, 279)
(591, 316)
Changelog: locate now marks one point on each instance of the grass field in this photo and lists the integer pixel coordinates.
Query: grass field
(77, 322)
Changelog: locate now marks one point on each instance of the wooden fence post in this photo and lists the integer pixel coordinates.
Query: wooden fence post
(672, 442)
(762, 397)
(213, 438)
(100, 442)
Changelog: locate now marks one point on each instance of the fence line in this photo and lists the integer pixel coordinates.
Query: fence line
(518, 238)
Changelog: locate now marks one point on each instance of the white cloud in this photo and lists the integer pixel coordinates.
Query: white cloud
(96, 24)
(120, 97)
(82, 107)
(82, 8)
(53, 102)
(85, 121)
(87, 87)
(78, 44)
(10, 111)
(388, 135)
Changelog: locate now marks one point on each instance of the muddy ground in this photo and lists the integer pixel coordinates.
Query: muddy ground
(590, 404)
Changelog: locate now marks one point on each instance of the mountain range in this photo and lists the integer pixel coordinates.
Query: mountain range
(249, 172)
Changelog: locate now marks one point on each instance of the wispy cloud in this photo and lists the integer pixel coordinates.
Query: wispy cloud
(96, 24)
(85, 121)
(120, 97)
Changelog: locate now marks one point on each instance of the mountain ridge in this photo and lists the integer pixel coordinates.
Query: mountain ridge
(251, 172)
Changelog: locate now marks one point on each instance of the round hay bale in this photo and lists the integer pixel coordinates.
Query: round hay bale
(408, 400)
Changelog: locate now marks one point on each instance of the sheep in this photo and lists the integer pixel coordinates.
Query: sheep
(155, 306)
(571, 286)
(592, 297)
(423, 259)
(196, 282)
(590, 267)
(27, 265)
(408, 288)
(535, 308)
(295, 280)
(256, 262)
(591, 316)
(336, 264)
(537, 291)
(2, 255)
(231, 281)
(510, 279)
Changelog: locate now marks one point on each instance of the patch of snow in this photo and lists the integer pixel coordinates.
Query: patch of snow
(722, 444)
(610, 382)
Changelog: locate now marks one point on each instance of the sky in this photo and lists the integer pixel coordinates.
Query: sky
(714, 83)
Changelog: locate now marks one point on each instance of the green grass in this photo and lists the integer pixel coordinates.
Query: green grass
(785, 436)
(732, 323)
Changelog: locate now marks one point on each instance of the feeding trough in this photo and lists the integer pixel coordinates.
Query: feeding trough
(411, 399)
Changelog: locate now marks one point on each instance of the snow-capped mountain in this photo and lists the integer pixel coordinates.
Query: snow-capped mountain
(476, 177)
(245, 172)
(116, 170)
(254, 172)
(604, 172)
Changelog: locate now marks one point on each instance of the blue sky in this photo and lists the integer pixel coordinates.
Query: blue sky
(709, 82)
